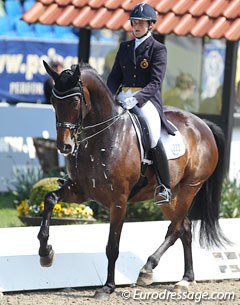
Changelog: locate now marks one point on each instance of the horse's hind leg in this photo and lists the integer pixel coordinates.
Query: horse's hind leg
(182, 231)
(186, 239)
(175, 230)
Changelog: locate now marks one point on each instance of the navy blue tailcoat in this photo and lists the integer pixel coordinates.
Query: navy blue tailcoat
(142, 67)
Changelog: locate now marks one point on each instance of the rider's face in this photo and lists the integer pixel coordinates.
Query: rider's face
(140, 27)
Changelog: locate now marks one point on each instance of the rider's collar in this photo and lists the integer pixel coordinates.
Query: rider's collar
(138, 41)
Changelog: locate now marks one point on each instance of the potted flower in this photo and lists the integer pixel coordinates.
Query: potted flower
(30, 210)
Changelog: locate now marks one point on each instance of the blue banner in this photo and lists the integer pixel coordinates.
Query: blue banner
(22, 73)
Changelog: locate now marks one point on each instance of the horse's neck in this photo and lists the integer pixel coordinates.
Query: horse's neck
(111, 127)
(102, 105)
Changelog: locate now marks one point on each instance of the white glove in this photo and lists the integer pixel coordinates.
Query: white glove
(129, 102)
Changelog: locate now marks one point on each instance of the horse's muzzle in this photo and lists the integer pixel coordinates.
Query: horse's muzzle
(65, 142)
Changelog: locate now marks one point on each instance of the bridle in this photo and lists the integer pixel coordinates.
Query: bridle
(78, 127)
(77, 90)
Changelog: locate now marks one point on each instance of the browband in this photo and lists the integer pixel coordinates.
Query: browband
(65, 94)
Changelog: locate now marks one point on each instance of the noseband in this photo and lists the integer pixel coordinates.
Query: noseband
(78, 90)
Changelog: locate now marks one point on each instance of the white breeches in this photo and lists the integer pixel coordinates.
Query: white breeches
(150, 114)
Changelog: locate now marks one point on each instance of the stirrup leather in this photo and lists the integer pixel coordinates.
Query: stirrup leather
(162, 195)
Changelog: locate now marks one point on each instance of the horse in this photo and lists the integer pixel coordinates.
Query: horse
(103, 162)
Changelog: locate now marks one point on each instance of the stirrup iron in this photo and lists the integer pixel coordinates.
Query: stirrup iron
(162, 195)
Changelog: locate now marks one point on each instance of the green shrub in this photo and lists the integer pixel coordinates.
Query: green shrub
(41, 188)
(34, 204)
(230, 199)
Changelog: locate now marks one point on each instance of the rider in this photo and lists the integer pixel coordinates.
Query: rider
(136, 78)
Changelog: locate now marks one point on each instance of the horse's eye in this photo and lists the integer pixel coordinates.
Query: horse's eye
(75, 103)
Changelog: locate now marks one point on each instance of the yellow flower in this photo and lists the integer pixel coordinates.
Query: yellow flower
(81, 206)
(78, 211)
(65, 211)
(26, 210)
(42, 206)
(61, 209)
(57, 208)
(23, 208)
(87, 212)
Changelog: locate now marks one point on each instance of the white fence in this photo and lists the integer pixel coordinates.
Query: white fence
(80, 256)
(19, 124)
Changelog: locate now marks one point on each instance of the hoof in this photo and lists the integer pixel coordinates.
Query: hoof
(183, 285)
(145, 279)
(104, 293)
(101, 295)
(46, 261)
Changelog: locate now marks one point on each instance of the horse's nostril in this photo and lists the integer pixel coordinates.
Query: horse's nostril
(67, 148)
(64, 148)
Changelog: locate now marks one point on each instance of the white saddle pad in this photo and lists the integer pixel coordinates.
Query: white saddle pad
(174, 145)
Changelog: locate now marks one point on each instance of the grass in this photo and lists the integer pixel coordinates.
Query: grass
(8, 212)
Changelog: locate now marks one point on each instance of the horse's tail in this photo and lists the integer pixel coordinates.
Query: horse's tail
(206, 204)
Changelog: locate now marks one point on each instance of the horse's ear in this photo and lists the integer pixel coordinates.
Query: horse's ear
(50, 70)
(76, 74)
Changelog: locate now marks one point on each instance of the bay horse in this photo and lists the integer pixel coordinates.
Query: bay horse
(104, 163)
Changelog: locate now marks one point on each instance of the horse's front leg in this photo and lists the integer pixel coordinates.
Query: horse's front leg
(46, 252)
(67, 193)
(117, 215)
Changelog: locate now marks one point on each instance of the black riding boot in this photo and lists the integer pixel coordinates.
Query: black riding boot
(162, 193)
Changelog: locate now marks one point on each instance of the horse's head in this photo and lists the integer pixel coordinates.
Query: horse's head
(69, 102)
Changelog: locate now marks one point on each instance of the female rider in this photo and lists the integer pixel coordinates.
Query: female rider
(136, 78)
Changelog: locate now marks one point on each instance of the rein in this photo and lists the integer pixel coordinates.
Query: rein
(114, 119)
